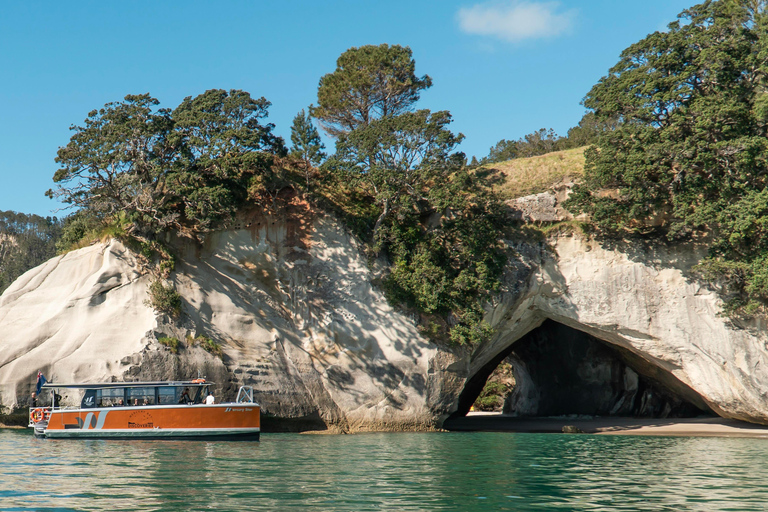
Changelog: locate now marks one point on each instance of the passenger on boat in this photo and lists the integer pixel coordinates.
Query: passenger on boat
(209, 400)
(33, 402)
(120, 402)
(185, 398)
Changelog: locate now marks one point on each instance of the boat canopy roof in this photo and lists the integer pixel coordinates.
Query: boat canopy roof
(112, 385)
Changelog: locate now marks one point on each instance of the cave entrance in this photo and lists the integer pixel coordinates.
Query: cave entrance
(556, 370)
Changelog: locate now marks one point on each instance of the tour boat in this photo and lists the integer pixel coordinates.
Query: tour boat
(156, 410)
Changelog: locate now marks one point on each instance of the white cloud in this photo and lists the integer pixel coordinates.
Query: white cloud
(515, 20)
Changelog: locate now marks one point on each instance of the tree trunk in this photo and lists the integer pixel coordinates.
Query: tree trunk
(380, 220)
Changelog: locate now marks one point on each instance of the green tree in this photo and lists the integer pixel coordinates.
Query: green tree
(25, 242)
(396, 156)
(589, 130)
(118, 161)
(223, 149)
(160, 169)
(690, 150)
(438, 223)
(306, 142)
(370, 82)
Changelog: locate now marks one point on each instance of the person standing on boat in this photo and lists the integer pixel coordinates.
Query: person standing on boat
(209, 400)
(33, 402)
(185, 398)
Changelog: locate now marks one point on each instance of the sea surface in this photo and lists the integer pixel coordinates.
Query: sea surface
(437, 471)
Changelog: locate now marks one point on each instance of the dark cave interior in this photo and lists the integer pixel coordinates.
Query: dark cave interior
(561, 371)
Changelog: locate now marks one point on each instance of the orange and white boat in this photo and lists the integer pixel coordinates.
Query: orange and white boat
(157, 410)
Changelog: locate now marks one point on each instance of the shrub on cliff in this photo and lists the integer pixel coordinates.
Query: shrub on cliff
(171, 343)
(691, 146)
(164, 299)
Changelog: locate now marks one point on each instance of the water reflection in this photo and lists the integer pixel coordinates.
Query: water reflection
(454, 471)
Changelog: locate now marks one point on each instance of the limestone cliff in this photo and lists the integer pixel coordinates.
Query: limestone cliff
(291, 299)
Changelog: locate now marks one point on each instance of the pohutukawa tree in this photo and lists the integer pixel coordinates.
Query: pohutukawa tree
(369, 83)
(224, 150)
(118, 161)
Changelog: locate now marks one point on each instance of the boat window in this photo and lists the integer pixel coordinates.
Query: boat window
(141, 396)
(112, 397)
(168, 395)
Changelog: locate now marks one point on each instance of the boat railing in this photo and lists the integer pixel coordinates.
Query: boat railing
(244, 395)
(40, 414)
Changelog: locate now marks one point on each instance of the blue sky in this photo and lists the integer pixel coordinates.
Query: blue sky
(502, 68)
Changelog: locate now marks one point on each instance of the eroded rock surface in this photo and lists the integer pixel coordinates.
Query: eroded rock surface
(641, 299)
(291, 300)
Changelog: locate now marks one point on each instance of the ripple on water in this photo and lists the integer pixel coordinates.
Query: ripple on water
(446, 471)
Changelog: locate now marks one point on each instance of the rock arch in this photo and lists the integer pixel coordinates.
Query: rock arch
(640, 300)
(562, 371)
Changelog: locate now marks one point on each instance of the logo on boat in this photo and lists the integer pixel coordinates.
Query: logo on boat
(237, 409)
(140, 419)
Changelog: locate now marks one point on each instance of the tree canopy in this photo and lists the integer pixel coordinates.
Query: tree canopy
(25, 242)
(689, 149)
(159, 168)
(306, 143)
(397, 156)
(369, 82)
(437, 223)
(154, 169)
(543, 141)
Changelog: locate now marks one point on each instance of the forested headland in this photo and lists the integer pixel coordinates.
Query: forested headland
(676, 149)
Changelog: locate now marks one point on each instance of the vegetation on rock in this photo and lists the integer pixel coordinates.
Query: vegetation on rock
(499, 384)
(137, 171)
(690, 151)
(172, 343)
(164, 299)
(439, 225)
(189, 168)
(207, 344)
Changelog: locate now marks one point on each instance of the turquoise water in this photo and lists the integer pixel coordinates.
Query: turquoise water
(440, 471)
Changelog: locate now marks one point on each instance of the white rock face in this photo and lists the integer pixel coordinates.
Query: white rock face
(640, 298)
(291, 301)
(75, 318)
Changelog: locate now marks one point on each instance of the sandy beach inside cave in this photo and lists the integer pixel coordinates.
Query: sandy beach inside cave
(703, 426)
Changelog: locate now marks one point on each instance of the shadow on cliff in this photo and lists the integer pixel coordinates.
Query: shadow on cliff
(325, 337)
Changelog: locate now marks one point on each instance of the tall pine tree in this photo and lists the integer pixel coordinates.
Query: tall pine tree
(306, 142)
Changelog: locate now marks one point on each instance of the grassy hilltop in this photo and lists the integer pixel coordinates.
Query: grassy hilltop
(536, 174)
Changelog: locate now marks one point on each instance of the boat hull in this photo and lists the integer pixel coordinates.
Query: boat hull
(219, 421)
